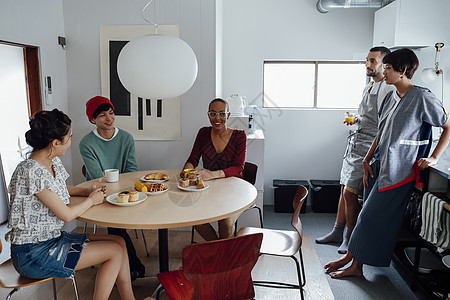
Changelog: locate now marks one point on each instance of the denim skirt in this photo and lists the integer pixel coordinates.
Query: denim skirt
(56, 257)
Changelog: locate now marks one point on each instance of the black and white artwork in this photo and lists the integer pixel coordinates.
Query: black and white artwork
(145, 119)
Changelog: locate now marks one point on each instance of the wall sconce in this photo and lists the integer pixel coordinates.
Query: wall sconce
(430, 74)
(157, 66)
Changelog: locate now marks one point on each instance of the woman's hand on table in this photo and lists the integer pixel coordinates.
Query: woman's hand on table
(96, 185)
(424, 163)
(97, 196)
(209, 175)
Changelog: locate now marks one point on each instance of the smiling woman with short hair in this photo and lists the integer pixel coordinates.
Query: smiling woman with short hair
(222, 151)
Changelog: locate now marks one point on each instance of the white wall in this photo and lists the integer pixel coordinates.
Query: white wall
(82, 21)
(300, 144)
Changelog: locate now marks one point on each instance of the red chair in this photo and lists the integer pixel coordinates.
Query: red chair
(284, 243)
(215, 270)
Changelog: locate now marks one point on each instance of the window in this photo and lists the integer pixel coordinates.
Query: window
(313, 84)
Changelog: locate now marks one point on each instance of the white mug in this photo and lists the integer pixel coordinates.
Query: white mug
(111, 175)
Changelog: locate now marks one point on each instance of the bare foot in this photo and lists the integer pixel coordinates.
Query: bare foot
(335, 265)
(354, 270)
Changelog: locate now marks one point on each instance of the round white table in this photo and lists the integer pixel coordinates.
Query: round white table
(175, 208)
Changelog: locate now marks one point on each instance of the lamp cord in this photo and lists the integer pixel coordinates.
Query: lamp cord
(143, 17)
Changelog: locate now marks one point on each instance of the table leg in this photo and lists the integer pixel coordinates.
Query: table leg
(163, 241)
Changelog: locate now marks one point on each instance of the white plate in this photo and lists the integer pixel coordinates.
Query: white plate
(157, 193)
(193, 188)
(154, 180)
(113, 199)
(446, 260)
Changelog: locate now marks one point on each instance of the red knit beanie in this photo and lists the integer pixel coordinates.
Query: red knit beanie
(94, 103)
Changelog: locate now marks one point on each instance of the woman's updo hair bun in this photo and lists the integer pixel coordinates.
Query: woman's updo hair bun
(46, 126)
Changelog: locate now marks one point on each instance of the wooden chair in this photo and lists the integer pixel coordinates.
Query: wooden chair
(10, 279)
(83, 171)
(284, 243)
(215, 270)
(249, 175)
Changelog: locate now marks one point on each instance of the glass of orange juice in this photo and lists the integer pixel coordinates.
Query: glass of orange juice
(349, 117)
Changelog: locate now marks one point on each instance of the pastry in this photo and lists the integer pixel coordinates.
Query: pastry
(184, 182)
(192, 180)
(134, 196)
(122, 198)
(139, 186)
(156, 176)
(155, 187)
(200, 184)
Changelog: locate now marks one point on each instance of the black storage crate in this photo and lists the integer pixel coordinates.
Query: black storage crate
(284, 193)
(325, 195)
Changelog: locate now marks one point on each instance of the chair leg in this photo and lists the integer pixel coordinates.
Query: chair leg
(135, 233)
(10, 293)
(54, 289)
(95, 228)
(303, 267)
(75, 286)
(158, 291)
(260, 216)
(192, 235)
(145, 242)
(301, 279)
(84, 227)
(261, 224)
(300, 274)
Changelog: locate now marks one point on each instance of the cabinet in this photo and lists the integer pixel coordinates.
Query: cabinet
(432, 277)
(412, 23)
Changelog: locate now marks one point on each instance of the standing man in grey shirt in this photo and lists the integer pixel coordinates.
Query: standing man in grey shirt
(358, 144)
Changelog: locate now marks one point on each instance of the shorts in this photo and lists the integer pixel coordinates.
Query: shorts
(358, 192)
(56, 257)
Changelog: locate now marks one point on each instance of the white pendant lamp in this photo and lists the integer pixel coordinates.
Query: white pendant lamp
(157, 66)
(430, 74)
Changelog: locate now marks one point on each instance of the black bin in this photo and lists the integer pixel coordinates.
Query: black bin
(325, 195)
(284, 193)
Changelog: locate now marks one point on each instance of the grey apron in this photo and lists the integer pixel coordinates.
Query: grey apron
(360, 140)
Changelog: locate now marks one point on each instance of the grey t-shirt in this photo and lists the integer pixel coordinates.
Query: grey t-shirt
(399, 138)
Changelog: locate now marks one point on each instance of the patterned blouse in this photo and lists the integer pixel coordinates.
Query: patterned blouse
(31, 221)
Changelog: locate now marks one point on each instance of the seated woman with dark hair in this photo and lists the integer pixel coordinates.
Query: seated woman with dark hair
(392, 164)
(223, 155)
(39, 208)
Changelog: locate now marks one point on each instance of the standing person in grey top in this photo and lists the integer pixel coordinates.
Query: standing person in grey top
(358, 144)
(400, 150)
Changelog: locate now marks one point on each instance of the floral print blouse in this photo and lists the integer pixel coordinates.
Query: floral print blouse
(29, 219)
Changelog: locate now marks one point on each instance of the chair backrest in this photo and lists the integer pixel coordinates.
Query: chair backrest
(222, 269)
(299, 200)
(249, 172)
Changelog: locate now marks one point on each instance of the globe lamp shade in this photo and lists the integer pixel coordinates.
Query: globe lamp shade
(429, 75)
(157, 67)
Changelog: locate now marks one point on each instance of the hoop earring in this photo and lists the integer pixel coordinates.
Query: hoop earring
(401, 76)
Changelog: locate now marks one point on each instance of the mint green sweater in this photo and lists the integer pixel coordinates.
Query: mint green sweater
(99, 155)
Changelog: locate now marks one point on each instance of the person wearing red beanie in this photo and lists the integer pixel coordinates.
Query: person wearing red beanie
(108, 147)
